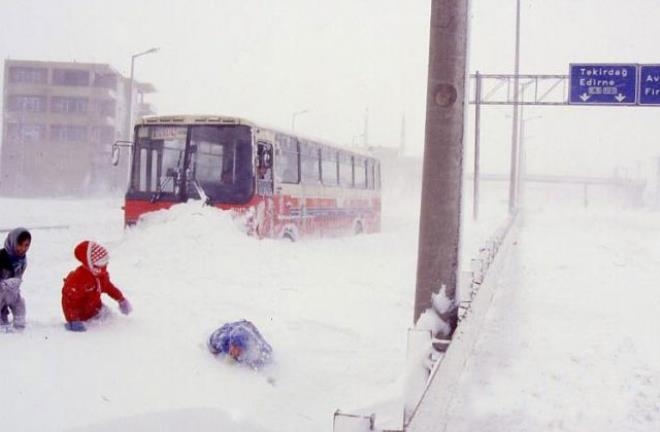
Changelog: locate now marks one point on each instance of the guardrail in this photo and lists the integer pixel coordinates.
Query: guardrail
(434, 365)
(430, 411)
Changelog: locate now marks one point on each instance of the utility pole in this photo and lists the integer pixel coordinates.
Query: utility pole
(514, 127)
(439, 230)
(365, 134)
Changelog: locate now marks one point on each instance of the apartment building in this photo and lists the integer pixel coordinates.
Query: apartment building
(59, 122)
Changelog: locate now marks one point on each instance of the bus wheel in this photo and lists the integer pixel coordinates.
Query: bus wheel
(358, 228)
(289, 236)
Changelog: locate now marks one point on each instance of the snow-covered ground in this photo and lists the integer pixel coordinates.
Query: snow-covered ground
(335, 311)
(571, 333)
(571, 340)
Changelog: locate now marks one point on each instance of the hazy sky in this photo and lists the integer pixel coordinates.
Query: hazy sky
(342, 59)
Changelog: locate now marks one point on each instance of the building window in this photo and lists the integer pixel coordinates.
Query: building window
(105, 80)
(103, 134)
(68, 133)
(70, 77)
(25, 132)
(74, 105)
(21, 74)
(27, 103)
(106, 107)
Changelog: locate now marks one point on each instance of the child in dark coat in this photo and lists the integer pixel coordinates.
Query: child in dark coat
(241, 341)
(13, 262)
(81, 293)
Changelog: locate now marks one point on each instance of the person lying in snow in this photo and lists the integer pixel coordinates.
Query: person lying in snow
(12, 302)
(81, 293)
(241, 341)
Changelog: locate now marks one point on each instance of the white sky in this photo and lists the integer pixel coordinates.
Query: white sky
(265, 60)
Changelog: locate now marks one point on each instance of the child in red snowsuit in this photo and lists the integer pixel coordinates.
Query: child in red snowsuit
(81, 294)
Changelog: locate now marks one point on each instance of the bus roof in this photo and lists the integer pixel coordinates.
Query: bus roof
(193, 119)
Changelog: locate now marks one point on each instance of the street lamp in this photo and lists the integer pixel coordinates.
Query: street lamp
(293, 118)
(129, 118)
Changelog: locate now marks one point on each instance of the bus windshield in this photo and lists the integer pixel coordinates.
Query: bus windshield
(174, 162)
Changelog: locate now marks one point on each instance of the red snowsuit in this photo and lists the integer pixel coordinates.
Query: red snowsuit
(81, 294)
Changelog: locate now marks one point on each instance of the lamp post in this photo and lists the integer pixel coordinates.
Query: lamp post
(129, 117)
(293, 118)
(514, 128)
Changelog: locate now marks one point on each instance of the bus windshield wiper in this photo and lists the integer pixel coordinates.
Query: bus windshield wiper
(156, 197)
(200, 191)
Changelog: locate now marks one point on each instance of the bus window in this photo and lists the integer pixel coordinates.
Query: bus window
(287, 162)
(371, 174)
(345, 170)
(221, 162)
(309, 163)
(158, 160)
(329, 167)
(360, 169)
(377, 175)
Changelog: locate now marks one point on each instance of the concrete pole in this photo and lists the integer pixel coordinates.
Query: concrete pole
(438, 254)
(514, 127)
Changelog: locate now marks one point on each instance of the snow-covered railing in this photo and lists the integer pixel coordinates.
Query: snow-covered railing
(435, 365)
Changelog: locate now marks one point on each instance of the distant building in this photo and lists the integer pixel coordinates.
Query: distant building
(59, 123)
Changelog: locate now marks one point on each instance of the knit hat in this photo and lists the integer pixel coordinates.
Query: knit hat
(91, 254)
(98, 255)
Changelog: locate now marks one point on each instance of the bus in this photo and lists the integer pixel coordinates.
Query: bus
(281, 185)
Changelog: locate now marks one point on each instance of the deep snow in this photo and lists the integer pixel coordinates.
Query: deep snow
(572, 329)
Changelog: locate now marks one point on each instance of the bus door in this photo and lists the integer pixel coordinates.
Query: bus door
(264, 169)
(264, 183)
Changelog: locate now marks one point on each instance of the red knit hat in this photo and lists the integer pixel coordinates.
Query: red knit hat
(92, 254)
(98, 255)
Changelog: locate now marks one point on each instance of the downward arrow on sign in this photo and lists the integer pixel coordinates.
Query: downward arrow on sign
(584, 97)
(620, 97)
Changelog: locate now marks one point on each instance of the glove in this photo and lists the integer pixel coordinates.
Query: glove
(75, 326)
(125, 307)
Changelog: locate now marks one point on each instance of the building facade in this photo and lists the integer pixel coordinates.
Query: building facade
(59, 123)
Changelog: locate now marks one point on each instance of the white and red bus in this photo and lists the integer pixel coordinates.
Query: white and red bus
(280, 184)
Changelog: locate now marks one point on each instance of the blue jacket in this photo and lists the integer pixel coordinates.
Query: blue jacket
(254, 350)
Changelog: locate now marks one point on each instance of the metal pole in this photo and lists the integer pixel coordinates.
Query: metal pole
(477, 136)
(514, 127)
(521, 144)
(439, 230)
(293, 118)
(129, 119)
(365, 134)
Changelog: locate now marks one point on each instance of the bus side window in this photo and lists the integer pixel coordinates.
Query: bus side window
(287, 160)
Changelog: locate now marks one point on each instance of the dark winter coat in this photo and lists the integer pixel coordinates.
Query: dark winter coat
(12, 265)
(255, 351)
(81, 293)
